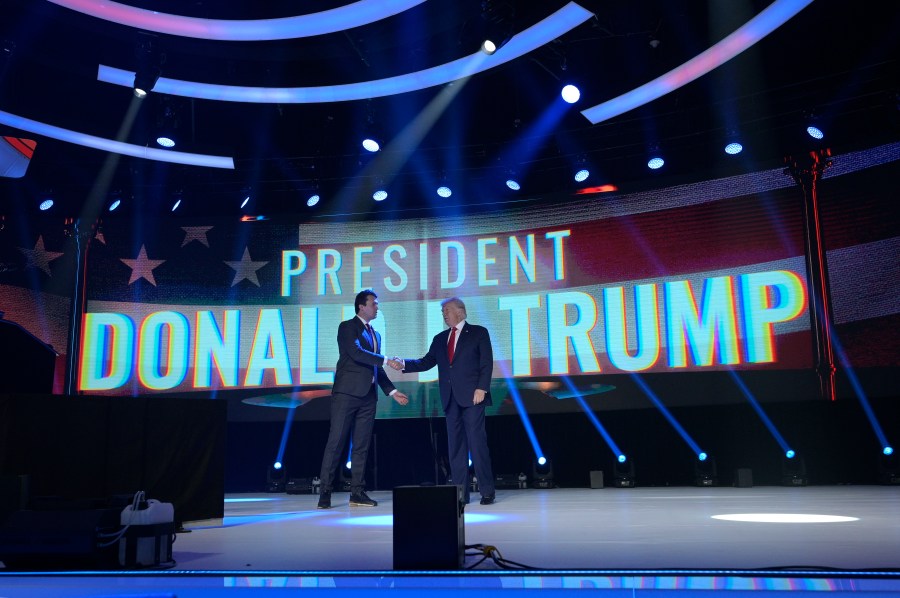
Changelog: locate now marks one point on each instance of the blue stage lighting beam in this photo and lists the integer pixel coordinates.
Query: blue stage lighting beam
(858, 389)
(562, 21)
(523, 415)
(592, 417)
(662, 409)
(112, 146)
(762, 414)
(284, 434)
(337, 19)
(770, 19)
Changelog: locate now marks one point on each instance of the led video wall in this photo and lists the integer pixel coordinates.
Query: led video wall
(706, 277)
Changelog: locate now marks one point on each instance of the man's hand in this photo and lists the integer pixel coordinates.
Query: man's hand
(396, 363)
(479, 396)
(401, 398)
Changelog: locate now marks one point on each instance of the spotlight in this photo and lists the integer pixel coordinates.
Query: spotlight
(793, 470)
(542, 473)
(370, 145)
(570, 94)
(705, 472)
(815, 132)
(513, 184)
(888, 467)
(346, 476)
(623, 472)
(734, 148)
(46, 204)
(144, 81)
(177, 201)
(115, 204)
(380, 195)
(582, 175)
(165, 141)
(312, 200)
(148, 61)
(275, 478)
(444, 191)
(498, 16)
(655, 163)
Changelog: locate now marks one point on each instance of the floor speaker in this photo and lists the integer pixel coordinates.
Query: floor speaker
(429, 534)
(60, 540)
(596, 479)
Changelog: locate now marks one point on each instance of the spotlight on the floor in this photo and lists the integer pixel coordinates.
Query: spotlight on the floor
(275, 478)
(888, 467)
(705, 473)
(542, 473)
(623, 472)
(346, 476)
(793, 470)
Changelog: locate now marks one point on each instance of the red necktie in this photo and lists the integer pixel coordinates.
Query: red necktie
(451, 345)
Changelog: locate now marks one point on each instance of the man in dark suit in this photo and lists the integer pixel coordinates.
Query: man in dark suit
(354, 398)
(465, 363)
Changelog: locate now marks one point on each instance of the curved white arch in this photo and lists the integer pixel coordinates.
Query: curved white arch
(111, 145)
(565, 19)
(770, 19)
(352, 15)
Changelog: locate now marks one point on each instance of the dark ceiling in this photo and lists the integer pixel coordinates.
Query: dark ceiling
(834, 59)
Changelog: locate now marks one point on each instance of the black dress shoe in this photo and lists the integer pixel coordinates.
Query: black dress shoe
(324, 500)
(487, 500)
(361, 499)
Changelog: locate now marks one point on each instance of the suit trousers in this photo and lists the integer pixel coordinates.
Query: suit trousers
(359, 413)
(466, 434)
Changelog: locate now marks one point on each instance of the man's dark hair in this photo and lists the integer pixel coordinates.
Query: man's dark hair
(363, 297)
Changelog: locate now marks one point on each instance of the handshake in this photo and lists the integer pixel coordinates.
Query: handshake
(398, 363)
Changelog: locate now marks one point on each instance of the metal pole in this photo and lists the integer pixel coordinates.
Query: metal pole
(806, 171)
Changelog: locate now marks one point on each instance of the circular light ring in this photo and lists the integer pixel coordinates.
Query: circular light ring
(444, 191)
(784, 518)
(552, 27)
(734, 148)
(313, 200)
(513, 184)
(113, 146)
(46, 205)
(570, 94)
(582, 175)
(380, 195)
(165, 141)
(345, 17)
(655, 163)
(371, 145)
(771, 18)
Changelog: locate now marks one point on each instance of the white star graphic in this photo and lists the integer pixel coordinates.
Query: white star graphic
(245, 269)
(99, 236)
(39, 257)
(142, 267)
(195, 233)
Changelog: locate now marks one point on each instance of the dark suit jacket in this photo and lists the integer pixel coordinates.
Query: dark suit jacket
(358, 363)
(473, 364)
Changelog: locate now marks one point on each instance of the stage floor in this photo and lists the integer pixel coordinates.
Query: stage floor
(609, 528)
(834, 538)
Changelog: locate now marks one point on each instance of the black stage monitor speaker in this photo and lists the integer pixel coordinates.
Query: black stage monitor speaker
(428, 528)
(596, 479)
(60, 540)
